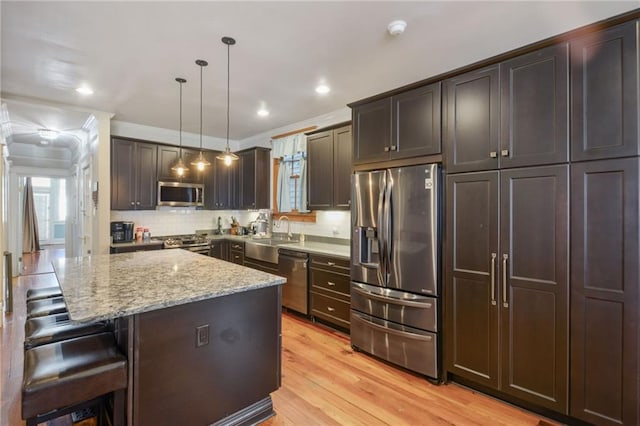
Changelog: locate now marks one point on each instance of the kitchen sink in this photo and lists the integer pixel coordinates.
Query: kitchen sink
(265, 249)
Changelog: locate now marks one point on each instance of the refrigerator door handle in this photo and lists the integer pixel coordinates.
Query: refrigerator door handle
(392, 300)
(380, 237)
(405, 334)
(388, 226)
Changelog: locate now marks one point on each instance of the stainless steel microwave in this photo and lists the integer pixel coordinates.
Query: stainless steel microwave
(179, 194)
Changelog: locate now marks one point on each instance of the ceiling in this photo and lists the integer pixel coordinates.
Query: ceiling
(131, 52)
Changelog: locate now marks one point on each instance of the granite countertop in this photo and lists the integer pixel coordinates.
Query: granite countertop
(105, 287)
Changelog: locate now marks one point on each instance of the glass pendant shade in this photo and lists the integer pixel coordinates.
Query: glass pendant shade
(227, 156)
(201, 163)
(180, 168)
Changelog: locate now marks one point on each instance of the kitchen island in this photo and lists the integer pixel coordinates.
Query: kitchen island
(202, 336)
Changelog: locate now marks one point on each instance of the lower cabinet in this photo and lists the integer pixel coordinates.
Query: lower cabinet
(219, 249)
(130, 248)
(604, 292)
(506, 287)
(330, 290)
(236, 252)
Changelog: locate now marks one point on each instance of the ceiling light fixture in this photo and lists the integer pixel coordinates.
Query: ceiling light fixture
(396, 27)
(180, 168)
(262, 112)
(85, 90)
(48, 133)
(323, 89)
(228, 157)
(201, 163)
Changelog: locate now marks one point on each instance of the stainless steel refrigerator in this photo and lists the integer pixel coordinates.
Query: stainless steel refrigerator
(395, 266)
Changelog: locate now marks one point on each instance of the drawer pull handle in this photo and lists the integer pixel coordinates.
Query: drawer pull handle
(331, 284)
(331, 263)
(330, 309)
(237, 257)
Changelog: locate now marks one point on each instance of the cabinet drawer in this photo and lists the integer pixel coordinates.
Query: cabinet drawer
(236, 246)
(330, 309)
(330, 281)
(236, 257)
(333, 264)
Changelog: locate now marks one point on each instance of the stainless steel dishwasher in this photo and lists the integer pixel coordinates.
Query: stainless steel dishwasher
(295, 292)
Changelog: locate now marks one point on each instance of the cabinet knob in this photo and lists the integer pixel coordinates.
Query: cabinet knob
(394, 147)
(133, 204)
(330, 309)
(349, 202)
(138, 202)
(386, 149)
(505, 152)
(331, 263)
(493, 154)
(330, 284)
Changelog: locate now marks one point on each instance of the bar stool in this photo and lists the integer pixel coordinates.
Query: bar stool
(54, 328)
(43, 293)
(42, 307)
(65, 376)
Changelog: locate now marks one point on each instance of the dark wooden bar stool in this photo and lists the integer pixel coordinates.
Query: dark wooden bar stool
(62, 377)
(42, 307)
(43, 293)
(54, 328)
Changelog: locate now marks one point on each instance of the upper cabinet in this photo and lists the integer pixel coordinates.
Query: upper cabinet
(254, 178)
(401, 126)
(509, 115)
(604, 94)
(133, 175)
(329, 169)
(168, 156)
(535, 108)
(471, 124)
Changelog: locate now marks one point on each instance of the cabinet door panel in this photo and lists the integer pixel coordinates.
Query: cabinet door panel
(604, 83)
(122, 175)
(167, 158)
(471, 127)
(247, 167)
(320, 170)
(146, 182)
(372, 131)
(604, 291)
(534, 239)
(342, 148)
(471, 327)
(535, 113)
(416, 122)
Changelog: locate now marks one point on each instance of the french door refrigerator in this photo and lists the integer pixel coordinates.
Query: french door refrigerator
(395, 266)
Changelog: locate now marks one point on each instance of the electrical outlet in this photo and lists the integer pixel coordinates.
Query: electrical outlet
(202, 335)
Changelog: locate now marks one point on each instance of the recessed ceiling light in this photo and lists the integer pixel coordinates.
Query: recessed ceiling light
(85, 90)
(396, 27)
(262, 112)
(323, 89)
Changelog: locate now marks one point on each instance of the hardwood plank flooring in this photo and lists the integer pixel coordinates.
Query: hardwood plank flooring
(324, 382)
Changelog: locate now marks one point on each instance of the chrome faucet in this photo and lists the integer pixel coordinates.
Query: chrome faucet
(289, 235)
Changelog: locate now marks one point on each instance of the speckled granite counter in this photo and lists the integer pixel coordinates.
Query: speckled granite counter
(112, 286)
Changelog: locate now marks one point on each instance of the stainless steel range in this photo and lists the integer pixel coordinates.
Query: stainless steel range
(195, 243)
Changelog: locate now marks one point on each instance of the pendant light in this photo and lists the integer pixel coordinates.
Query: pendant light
(180, 168)
(201, 163)
(228, 157)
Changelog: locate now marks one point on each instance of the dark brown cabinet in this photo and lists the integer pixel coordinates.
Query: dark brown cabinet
(506, 282)
(219, 249)
(329, 289)
(236, 252)
(168, 156)
(133, 175)
(329, 169)
(604, 292)
(471, 126)
(254, 178)
(604, 87)
(401, 126)
(509, 115)
(535, 108)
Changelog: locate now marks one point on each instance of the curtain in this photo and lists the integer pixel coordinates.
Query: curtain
(30, 241)
(282, 194)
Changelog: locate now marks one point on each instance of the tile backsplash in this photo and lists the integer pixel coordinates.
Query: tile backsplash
(185, 220)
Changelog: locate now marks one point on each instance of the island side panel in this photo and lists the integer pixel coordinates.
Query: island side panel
(177, 382)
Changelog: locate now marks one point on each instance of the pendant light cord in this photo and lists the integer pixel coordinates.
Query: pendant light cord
(180, 119)
(201, 109)
(228, 79)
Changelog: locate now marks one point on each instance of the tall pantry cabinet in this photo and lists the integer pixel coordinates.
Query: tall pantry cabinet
(542, 232)
(605, 316)
(507, 245)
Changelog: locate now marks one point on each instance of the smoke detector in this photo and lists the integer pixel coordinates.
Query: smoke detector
(396, 27)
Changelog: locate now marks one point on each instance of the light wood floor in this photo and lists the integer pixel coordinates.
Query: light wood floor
(324, 382)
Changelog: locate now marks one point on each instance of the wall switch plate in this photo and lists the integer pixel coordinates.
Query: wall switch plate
(202, 335)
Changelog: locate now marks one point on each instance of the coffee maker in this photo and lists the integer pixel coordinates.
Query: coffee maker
(122, 232)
